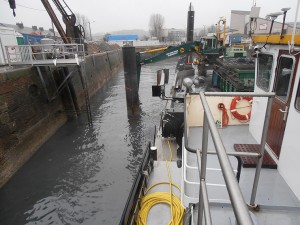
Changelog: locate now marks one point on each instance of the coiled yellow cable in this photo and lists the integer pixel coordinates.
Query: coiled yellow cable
(168, 198)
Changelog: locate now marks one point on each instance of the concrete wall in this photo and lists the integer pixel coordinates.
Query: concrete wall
(28, 119)
(99, 68)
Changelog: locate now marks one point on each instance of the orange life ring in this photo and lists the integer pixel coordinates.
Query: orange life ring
(234, 111)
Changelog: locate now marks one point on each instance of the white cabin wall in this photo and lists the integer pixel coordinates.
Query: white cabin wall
(257, 116)
(289, 165)
(259, 104)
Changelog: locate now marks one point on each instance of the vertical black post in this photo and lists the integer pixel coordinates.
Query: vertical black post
(190, 25)
(131, 79)
(190, 29)
(166, 71)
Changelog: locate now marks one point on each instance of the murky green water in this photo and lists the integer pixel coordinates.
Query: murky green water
(83, 175)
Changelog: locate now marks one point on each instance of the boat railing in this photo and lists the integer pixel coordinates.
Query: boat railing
(238, 203)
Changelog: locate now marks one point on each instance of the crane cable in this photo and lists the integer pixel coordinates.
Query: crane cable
(168, 198)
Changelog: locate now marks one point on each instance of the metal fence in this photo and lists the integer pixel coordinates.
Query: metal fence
(41, 54)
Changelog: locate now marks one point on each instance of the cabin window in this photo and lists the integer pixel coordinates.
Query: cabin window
(283, 78)
(264, 72)
(297, 103)
(209, 43)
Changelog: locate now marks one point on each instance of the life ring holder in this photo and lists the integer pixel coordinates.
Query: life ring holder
(234, 110)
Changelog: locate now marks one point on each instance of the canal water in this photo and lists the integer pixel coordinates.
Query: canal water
(83, 175)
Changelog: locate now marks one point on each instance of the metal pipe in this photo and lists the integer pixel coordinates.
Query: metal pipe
(271, 27)
(202, 165)
(250, 154)
(43, 82)
(192, 150)
(208, 220)
(200, 202)
(30, 52)
(232, 94)
(295, 26)
(61, 86)
(262, 150)
(56, 22)
(238, 203)
(283, 23)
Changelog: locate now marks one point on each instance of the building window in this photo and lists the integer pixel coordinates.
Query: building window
(283, 78)
(264, 73)
(297, 102)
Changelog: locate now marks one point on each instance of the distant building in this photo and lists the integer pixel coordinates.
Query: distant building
(240, 23)
(129, 40)
(174, 35)
(32, 35)
(238, 38)
(239, 20)
(123, 37)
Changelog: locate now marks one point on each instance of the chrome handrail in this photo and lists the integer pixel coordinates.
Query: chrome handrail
(238, 203)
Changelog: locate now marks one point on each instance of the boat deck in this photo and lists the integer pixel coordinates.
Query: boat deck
(160, 174)
(277, 203)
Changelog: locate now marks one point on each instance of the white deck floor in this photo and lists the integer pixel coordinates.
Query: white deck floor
(278, 204)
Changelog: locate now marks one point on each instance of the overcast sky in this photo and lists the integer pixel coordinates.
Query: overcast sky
(114, 15)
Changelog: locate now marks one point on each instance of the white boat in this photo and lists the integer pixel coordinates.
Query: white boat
(221, 176)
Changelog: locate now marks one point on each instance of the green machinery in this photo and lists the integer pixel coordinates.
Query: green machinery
(166, 53)
(207, 47)
(210, 46)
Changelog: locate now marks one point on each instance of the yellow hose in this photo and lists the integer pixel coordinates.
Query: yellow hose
(167, 198)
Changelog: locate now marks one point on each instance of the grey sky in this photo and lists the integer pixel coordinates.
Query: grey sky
(114, 15)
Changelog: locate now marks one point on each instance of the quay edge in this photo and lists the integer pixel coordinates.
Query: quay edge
(28, 119)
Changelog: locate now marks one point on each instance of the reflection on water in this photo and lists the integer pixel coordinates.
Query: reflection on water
(83, 175)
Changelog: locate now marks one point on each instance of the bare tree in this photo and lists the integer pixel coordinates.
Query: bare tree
(156, 25)
(144, 38)
(212, 29)
(84, 22)
(208, 29)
